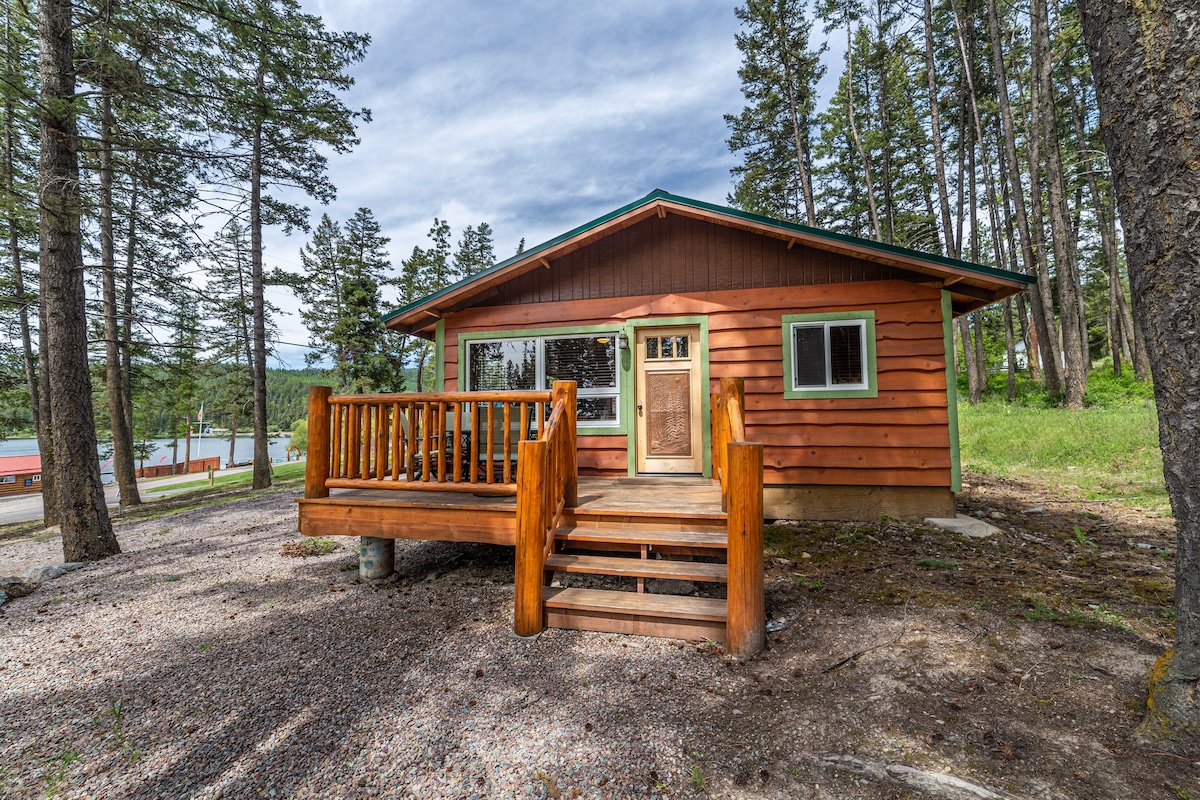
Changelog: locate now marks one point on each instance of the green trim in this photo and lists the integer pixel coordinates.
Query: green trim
(951, 392)
(439, 356)
(792, 227)
(623, 374)
(872, 389)
(629, 401)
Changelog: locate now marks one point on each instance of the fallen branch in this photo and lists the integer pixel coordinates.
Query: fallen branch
(918, 780)
(865, 650)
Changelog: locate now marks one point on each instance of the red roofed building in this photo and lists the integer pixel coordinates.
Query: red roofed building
(20, 474)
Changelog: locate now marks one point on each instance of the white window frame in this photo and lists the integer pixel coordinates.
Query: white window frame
(864, 320)
(580, 393)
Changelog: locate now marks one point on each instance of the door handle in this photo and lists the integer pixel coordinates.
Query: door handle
(639, 406)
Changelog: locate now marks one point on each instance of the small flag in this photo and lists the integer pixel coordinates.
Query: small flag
(200, 416)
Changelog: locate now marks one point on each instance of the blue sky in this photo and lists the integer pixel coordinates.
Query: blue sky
(533, 116)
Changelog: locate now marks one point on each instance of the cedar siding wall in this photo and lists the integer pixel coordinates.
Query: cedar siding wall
(18, 486)
(900, 438)
(677, 254)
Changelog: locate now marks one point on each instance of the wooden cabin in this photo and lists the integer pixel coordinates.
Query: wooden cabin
(20, 474)
(653, 384)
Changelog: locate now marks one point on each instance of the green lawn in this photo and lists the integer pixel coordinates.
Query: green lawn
(282, 472)
(1105, 451)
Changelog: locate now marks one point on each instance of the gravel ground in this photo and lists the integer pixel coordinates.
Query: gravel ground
(203, 663)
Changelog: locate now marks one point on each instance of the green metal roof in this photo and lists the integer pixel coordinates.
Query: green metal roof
(793, 227)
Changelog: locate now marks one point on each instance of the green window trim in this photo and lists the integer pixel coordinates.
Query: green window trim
(624, 373)
(790, 393)
(951, 392)
(629, 401)
(439, 357)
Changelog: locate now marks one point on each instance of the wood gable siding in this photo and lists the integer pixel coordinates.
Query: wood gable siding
(676, 254)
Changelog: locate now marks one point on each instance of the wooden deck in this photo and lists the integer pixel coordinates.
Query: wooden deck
(460, 517)
(375, 472)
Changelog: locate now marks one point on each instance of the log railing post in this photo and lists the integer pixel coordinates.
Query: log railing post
(745, 625)
(532, 464)
(567, 391)
(316, 467)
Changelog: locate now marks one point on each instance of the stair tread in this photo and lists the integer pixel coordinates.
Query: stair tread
(633, 603)
(639, 567)
(634, 535)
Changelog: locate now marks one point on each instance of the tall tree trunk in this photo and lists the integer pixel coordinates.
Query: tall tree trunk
(799, 132)
(885, 128)
(51, 496)
(118, 415)
(862, 153)
(1042, 299)
(262, 458)
(949, 241)
(127, 298)
(1010, 349)
(87, 533)
(1143, 61)
(1075, 366)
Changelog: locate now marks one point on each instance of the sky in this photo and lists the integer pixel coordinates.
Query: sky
(533, 116)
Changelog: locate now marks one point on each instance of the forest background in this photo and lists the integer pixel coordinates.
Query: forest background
(967, 128)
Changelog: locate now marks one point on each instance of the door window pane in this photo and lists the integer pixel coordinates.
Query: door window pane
(664, 349)
(652, 347)
(681, 347)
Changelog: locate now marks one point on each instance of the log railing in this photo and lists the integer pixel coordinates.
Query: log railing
(738, 464)
(445, 441)
(728, 425)
(547, 482)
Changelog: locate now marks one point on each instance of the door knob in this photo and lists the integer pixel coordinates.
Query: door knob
(639, 409)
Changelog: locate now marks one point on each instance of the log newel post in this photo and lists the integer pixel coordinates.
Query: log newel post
(745, 627)
(532, 466)
(316, 467)
(567, 391)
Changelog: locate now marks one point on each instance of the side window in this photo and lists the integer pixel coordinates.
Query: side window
(829, 355)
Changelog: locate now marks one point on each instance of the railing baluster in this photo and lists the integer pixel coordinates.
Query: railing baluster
(507, 442)
(440, 422)
(474, 442)
(425, 434)
(410, 458)
(365, 418)
(397, 429)
(491, 443)
(457, 442)
(335, 466)
(353, 434)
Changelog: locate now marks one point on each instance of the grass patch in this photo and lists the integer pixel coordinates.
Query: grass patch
(281, 474)
(1108, 451)
(937, 563)
(310, 547)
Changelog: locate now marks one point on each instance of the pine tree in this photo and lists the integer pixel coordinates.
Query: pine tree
(279, 76)
(779, 76)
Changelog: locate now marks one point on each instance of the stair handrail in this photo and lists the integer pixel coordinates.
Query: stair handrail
(728, 425)
(422, 441)
(547, 484)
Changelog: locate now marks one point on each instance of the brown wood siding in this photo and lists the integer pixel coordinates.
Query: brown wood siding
(678, 254)
(899, 438)
(19, 487)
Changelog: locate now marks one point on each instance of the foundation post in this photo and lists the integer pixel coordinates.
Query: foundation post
(376, 558)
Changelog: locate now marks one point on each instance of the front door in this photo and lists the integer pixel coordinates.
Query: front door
(668, 409)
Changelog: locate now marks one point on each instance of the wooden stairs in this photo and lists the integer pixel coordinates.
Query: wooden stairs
(642, 546)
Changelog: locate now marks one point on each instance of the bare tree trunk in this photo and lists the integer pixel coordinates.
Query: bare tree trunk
(51, 496)
(127, 299)
(87, 532)
(862, 154)
(799, 133)
(1143, 61)
(949, 241)
(1010, 348)
(1075, 372)
(118, 415)
(262, 458)
(968, 350)
(885, 128)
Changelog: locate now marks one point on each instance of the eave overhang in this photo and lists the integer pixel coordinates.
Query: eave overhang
(971, 286)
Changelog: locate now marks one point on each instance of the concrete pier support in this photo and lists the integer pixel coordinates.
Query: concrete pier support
(376, 558)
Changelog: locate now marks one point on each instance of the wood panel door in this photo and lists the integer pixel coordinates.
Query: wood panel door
(668, 412)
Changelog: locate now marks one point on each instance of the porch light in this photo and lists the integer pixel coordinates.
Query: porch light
(622, 341)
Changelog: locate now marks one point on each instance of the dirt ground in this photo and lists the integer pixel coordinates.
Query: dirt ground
(1014, 663)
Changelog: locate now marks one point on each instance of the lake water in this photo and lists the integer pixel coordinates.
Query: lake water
(207, 447)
